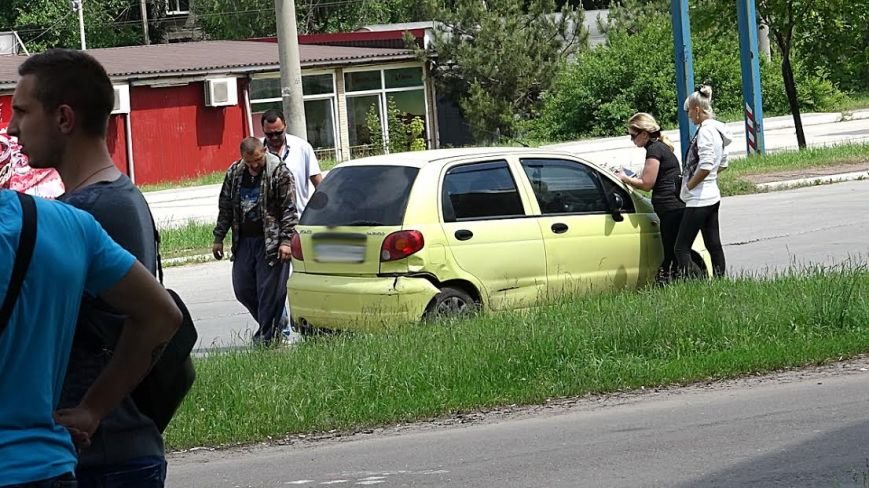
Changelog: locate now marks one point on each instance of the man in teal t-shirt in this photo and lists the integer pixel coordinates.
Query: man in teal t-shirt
(72, 255)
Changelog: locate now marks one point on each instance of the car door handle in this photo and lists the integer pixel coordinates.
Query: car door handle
(464, 234)
(559, 228)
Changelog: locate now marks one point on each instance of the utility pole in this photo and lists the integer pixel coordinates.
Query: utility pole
(291, 69)
(763, 41)
(684, 69)
(78, 5)
(143, 6)
(750, 63)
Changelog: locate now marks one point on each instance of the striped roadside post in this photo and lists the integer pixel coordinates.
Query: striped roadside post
(750, 130)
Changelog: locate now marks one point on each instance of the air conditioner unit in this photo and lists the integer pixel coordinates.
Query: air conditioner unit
(122, 99)
(9, 43)
(221, 92)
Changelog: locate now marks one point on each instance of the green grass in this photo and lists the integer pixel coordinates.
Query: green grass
(679, 334)
(733, 182)
(855, 101)
(203, 179)
(192, 239)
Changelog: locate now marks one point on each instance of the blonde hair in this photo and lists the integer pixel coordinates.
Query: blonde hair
(644, 122)
(702, 97)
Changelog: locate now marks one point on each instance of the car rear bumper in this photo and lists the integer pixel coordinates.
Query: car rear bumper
(357, 303)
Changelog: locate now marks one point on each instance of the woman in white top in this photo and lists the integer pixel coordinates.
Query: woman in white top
(706, 158)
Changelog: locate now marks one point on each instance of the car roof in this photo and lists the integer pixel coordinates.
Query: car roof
(442, 156)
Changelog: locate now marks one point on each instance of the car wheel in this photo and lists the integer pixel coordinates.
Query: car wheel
(451, 303)
(307, 331)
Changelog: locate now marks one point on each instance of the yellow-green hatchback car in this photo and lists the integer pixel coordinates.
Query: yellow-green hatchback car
(394, 239)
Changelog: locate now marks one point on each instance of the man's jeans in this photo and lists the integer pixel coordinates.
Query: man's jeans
(139, 473)
(62, 481)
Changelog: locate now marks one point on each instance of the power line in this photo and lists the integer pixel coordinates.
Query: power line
(46, 31)
(136, 22)
(318, 5)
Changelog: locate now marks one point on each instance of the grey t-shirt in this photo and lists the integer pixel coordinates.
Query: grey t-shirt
(125, 434)
(123, 212)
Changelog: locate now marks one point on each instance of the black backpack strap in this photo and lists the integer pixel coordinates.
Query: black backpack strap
(26, 243)
(157, 243)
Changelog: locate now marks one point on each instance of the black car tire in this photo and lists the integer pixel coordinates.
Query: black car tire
(450, 303)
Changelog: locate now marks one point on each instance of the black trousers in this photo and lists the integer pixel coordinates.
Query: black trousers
(671, 220)
(705, 221)
(261, 288)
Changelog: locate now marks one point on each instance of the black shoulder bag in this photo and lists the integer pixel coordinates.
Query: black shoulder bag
(161, 392)
(23, 254)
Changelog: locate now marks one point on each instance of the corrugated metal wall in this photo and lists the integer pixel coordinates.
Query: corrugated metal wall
(175, 136)
(5, 110)
(115, 138)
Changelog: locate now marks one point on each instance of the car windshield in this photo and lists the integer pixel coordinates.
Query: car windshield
(361, 196)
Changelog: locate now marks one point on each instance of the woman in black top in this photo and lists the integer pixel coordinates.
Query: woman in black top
(662, 175)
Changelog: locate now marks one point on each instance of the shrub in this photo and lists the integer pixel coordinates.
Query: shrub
(636, 72)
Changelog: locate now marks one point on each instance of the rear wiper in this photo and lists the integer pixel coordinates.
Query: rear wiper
(365, 222)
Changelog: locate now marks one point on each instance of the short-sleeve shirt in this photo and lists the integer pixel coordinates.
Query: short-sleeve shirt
(73, 255)
(300, 158)
(125, 433)
(664, 192)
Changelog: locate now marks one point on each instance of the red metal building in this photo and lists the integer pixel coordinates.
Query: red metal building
(182, 109)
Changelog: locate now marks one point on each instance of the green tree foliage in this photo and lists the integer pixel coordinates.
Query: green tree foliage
(498, 57)
(834, 38)
(783, 17)
(406, 132)
(43, 24)
(828, 38)
(242, 19)
(236, 19)
(635, 72)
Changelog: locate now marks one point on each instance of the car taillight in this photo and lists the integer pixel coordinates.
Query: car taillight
(296, 248)
(401, 244)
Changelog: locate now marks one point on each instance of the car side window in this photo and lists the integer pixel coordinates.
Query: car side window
(480, 191)
(565, 187)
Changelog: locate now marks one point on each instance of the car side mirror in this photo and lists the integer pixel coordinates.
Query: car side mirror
(617, 204)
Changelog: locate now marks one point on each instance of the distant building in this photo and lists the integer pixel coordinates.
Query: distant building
(181, 109)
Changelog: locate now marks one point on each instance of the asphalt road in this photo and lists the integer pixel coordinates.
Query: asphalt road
(794, 430)
(762, 233)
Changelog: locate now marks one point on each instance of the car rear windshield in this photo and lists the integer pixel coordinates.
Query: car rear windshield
(361, 196)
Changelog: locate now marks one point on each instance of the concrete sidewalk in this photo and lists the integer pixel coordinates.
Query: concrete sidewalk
(176, 207)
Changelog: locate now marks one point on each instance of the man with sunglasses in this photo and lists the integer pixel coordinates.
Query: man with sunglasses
(295, 152)
(300, 158)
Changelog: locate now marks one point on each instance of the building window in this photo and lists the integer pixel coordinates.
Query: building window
(177, 7)
(319, 96)
(385, 102)
(363, 112)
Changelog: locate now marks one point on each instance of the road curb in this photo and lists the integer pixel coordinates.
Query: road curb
(814, 180)
(185, 260)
